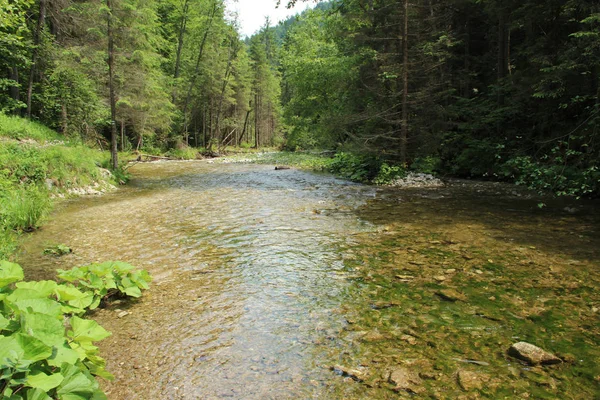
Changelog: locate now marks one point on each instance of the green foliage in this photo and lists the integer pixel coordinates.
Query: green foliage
(387, 174)
(58, 250)
(426, 165)
(108, 280)
(183, 153)
(355, 167)
(23, 209)
(46, 347)
(562, 179)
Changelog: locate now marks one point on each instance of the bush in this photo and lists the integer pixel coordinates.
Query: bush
(387, 174)
(426, 165)
(354, 167)
(46, 344)
(556, 178)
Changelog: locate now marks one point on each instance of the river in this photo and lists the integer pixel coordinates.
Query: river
(290, 284)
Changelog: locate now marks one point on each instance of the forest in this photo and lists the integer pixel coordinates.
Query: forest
(438, 277)
(485, 89)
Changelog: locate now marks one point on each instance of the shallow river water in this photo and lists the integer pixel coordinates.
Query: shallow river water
(290, 284)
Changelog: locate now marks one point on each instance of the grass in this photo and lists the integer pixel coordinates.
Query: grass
(309, 161)
(19, 128)
(23, 209)
(34, 170)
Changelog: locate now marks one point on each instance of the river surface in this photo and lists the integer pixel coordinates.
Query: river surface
(290, 284)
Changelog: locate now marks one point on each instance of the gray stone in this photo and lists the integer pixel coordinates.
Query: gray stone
(532, 354)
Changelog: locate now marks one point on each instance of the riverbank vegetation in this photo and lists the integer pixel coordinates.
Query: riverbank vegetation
(37, 164)
(487, 90)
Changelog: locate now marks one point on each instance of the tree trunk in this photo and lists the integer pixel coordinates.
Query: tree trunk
(111, 87)
(223, 88)
(64, 122)
(502, 64)
(256, 120)
(182, 27)
(15, 93)
(122, 135)
(404, 123)
(36, 44)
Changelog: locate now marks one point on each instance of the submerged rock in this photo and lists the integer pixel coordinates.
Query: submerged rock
(418, 180)
(349, 372)
(468, 380)
(405, 379)
(451, 295)
(532, 354)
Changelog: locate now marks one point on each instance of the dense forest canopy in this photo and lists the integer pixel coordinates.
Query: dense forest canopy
(496, 89)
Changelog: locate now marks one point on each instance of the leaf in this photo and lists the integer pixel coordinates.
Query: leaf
(37, 394)
(43, 381)
(68, 292)
(77, 386)
(133, 291)
(44, 288)
(33, 348)
(3, 322)
(63, 354)
(46, 328)
(42, 306)
(10, 273)
(10, 349)
(83, 302)
(87, 330)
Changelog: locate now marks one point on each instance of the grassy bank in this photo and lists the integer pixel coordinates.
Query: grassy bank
(36, 165)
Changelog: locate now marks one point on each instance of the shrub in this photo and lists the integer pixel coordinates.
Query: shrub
(426, 165)
(354, 167)
(387, 174)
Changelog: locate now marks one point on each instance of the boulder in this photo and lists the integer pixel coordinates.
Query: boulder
(532, 354)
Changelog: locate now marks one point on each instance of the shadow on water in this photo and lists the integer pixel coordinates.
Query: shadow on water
(265, 280)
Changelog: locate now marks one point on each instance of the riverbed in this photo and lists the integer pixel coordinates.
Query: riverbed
(291, 284)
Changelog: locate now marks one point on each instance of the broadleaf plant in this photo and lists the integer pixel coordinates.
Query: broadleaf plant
(47, 346)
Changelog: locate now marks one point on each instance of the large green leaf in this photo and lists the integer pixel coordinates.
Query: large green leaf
(82, 302)
(45, 288)
(63, 354)
(34, 349)
(85, 330)
(3, 322)
(43, 306)
(44, 327)
(10, 273)
(133, 291)
(43, 381)
(37, 394)
(10, 349)
(25, 294)
(68, 292)
(76, 385)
